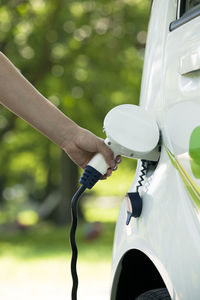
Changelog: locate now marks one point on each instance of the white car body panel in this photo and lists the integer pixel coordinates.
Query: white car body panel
(168, 230)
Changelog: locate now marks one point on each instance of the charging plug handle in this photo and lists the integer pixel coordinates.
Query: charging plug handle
(90, 177)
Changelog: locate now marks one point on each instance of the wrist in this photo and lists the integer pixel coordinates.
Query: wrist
(70, 136)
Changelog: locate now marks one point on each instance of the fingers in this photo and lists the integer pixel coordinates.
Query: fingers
(117, 161)
(109, 157)
(107, 153)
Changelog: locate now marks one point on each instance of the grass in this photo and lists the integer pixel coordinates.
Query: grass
(36, 263)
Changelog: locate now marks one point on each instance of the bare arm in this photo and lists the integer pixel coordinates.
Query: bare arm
(19, 96)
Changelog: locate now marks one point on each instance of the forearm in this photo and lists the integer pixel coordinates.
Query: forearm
(19, 96)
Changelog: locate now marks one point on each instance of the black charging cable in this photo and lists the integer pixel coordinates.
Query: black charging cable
(75, 199)
(88, 179)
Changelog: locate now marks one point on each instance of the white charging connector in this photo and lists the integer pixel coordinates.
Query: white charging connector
(132, 132)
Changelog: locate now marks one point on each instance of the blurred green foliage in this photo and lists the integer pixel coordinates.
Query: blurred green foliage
(84, 56)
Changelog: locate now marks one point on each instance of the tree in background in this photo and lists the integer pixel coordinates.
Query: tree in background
(85, 57)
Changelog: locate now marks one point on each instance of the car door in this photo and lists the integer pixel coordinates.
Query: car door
(181, 94)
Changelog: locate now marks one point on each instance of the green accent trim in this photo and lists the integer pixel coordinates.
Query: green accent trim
(194, 151)
(190, 184)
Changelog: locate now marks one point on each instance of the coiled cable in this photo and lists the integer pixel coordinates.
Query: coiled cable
(143, 173)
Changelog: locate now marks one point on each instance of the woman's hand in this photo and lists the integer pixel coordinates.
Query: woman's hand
(84, 145)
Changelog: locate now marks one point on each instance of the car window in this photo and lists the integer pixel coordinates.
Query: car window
(187, 5)
(186, 11)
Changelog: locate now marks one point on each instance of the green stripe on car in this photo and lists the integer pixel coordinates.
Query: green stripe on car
(192, 187)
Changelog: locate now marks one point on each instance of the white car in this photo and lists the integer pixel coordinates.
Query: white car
(157, 255)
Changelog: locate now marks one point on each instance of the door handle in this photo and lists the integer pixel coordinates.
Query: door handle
(189, 63)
